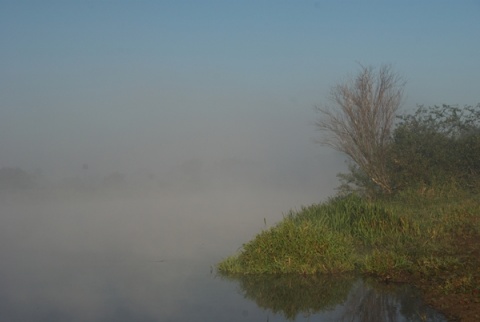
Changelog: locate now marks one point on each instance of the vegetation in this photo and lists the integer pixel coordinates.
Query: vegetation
(437, 146)
(352, 234)
(433, 163)
(360, 120)
(428, 238)
(424, 229)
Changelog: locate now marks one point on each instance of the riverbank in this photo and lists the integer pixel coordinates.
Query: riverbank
(429, 239)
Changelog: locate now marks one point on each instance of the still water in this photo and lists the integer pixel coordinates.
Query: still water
(123, 258)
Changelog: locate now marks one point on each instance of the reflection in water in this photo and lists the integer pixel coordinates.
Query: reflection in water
(344, 298)
(143, 259)
(371, 301)
(291, 295)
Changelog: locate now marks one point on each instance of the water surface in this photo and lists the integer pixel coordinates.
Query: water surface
(151, 258)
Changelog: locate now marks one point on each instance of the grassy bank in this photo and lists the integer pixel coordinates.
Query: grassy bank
(428, 238)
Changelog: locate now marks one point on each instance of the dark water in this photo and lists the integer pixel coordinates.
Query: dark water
(151, 259)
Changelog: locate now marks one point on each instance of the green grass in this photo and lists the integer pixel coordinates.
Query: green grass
(412, 233)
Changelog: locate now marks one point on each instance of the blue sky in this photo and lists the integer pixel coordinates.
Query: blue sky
(129, 85)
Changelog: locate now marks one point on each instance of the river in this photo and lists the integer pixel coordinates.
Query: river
(120, 257)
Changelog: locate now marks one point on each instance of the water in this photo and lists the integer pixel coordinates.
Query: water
(124, 258)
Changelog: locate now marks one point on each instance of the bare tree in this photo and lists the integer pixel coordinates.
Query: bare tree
(360, 121)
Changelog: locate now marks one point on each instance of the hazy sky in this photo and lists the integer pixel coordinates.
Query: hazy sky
(147, 85)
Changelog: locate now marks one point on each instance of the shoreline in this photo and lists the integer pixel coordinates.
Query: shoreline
(429, 242)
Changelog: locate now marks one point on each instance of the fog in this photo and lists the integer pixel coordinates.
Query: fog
(211, 92)
(123, 253)
(151, 225)
(131, 254)
(141, 142)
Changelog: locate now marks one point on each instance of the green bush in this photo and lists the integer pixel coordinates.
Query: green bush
(436, 146)
(432, 147)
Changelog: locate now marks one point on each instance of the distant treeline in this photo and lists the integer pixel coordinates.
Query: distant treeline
(16, 179)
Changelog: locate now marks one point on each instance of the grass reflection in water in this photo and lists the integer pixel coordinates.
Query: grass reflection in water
(347, 297)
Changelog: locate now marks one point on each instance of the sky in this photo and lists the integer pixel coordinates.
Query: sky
(151, 86)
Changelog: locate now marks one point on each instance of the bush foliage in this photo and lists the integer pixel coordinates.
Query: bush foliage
(431, 147)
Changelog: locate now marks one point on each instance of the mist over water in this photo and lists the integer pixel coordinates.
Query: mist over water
(124, 253)
(122, 216)
(143, 141)
(131, 254)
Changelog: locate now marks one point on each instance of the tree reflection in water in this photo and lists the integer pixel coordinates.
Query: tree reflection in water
(346, 297)
(372, 301)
